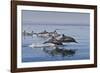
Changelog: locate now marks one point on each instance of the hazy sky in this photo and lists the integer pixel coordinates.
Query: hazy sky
(46, 17)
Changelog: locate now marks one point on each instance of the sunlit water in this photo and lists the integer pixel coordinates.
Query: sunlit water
(80, 33)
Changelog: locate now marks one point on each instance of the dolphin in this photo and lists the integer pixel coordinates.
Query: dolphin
(67, 39)
(61, 40)
(43, 34)
(54, 34)
(54, 41)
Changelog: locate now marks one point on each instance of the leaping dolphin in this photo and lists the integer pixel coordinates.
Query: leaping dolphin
(54, 41)
(61, 40)
(67, 39)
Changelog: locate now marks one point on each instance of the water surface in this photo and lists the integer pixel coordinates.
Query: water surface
(79, 32)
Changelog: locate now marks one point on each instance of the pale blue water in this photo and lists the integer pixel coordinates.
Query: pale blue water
(80, 33)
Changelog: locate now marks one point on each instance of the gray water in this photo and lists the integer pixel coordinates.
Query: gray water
(80, 33)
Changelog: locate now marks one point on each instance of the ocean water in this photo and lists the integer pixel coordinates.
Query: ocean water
(79, 32)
